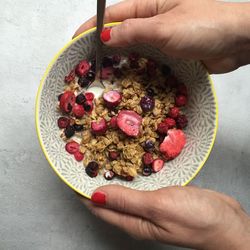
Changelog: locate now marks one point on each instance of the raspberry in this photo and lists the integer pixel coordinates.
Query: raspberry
(63, 122)
(180, 100)
(82, 68)
(181, 121)
(78, 156)
(89, 96)
(174, 112)
(170, 122)
(162, 128)
(147, 159)
(72, 147)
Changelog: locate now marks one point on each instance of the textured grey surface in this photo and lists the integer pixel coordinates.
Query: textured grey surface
(38, 211)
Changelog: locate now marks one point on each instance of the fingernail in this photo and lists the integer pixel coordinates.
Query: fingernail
(105, 35)
(98, 198)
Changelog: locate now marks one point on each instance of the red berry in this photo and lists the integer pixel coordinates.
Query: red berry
(63, 122)
(181, 121)
(113, 122)
(78, 156)
(147, 159)
(180, 100)
(182, 89)
(113, 155)
(109, 175)
(170, 122)
(88, 106)
(67, 101)
(89, 96)
(162, 128)
(129, 178)
(78, 111)
(157, 165)
(99, 128)
(82, 68)
(112, 98)
(106, 73)
(70, 77)
(174, 112)
(72, 147)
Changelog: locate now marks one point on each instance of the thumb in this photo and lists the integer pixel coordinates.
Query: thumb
(131, 31)
(126, 200)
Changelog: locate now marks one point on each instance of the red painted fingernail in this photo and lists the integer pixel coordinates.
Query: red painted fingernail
(98, 198)
(105, 35)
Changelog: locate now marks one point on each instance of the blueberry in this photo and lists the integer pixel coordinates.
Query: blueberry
(166, 70)
(83, 82)
(59, 97)
(80, 99)
(147, 103)
(147, 171)
(87, 107)
(78, 127)
(107, 62)
(90, 76)
(92, 169)
(69, 131)
(150, 92)
(149, 145)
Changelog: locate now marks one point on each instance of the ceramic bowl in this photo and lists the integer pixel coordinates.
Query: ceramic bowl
(201, 112)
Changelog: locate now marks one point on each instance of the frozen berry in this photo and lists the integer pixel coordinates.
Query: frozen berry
(149, 145)
(63, 122)
(80, 99)
(82, 68)
(90, 76)
(99, 127)
(166, 70)
(69, 131)
(107, 62)
(78, 111)
(83, 82)
(109, 175)
(174, 112)
(89, 96)
(147, 159)
(59, 97)
(116, 59)
(182, 89)
(162, 128)
(88, 106)
(113, 122)
(181, 121)
(117, 73)
(92, 169)
(146, 171)
(151, 67)
(67, 101)
(129, 122)
(72, 147)
(157, 165)
(78, 127)
(79, 156)
(170, 122)
(70, 77)
(181, 100)
(112, 98)
(147, 103)
(150, 92)
(113, 155)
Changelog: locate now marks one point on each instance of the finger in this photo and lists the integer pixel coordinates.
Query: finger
(125, 10)
(126, 200)
(134, 226)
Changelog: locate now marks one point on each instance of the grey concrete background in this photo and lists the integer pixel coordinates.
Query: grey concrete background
(37, 210)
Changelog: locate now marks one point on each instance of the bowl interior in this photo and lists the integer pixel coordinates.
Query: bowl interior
(201, 112)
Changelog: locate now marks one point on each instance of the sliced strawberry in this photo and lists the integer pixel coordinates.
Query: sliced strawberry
(72, 147)
(147, 159)
(180, 100)
(106, 73)
(99, 128)
(82, 68)
(173, 143)
(112, 98)
(79, 156)
(162, 128)
(89, 96)
(113, 122)
(170, 122)
(129, 122)
(67, 101)
(157, 165)
(78, 111)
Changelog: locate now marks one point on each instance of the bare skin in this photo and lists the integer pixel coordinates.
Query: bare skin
(218, 34)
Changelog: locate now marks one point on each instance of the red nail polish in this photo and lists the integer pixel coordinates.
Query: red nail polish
(105, 35)
(98, 198)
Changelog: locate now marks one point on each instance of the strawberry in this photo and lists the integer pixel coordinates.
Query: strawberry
(78, 111)
(147, 159)
(180, 100)
(157, 165)
(174, 112)
(67, 101)
(112, 98)
(72, 147)
(78, 156)
(170, 122)
(89, 96)
(173, 143)
(99, 128)
(113, 122)
(129, 122)
(162, 128)
(82, 68)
